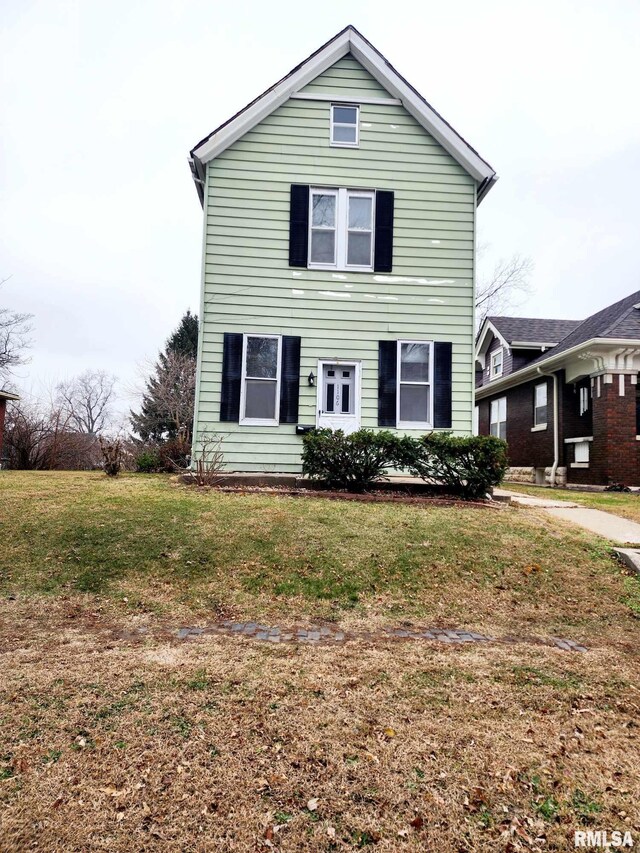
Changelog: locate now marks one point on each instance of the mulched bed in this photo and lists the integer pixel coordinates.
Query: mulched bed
(366, 497)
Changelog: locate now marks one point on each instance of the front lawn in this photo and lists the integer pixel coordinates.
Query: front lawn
(116, 735)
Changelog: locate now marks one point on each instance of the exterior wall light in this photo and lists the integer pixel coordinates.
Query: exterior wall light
(311, 379)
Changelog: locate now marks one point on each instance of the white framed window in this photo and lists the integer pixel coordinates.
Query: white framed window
(540, 405)
(345, 125)
(497, 360)
(498, 418)
(581, 452)
(341, 228)
(583, 394)
(260, 387)
(414, 386)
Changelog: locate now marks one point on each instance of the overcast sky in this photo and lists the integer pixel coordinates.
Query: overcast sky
(100, 226)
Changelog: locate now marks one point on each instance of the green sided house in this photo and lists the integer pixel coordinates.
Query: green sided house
(338, 262)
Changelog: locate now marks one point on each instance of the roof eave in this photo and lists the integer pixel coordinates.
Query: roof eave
(349, 40)
(525, 374)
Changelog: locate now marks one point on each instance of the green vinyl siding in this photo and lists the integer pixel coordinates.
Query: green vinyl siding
(248, 285)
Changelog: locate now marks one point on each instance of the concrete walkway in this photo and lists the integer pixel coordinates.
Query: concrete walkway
(605, 524)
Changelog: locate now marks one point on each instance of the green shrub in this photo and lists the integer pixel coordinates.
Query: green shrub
(466, 465)
(353, 462)
(147, 462)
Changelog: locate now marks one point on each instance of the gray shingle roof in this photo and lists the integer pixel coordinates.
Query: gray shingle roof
(620, 320)
(533, 330)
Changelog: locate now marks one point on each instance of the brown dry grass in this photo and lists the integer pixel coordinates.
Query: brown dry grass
(117, 740)
(220, 743)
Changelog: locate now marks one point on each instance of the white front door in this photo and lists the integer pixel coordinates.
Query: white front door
(339, 395)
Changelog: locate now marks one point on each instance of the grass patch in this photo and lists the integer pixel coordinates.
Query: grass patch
(149, 545)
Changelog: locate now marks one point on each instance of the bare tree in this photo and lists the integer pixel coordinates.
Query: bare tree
(87, 400)
(500, 289)
(167, 404)
(15, 338)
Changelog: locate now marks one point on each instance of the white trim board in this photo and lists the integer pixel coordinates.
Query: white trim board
(347, 41)
(345, 99)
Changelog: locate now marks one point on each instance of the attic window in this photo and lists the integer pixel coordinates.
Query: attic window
(345, 125)
(496, 364)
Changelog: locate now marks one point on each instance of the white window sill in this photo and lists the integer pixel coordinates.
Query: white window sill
(580, 440)
(579, 465)
(334, 268)
(538, 428)
(258, 422)
(344, 145)
(412, 425)
(495, 376)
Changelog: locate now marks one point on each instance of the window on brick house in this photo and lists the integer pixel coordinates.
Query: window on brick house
(496, 364)
(583, 394)
(498, 419)
(540, 405)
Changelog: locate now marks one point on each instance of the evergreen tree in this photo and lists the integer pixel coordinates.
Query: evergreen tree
(167, 404)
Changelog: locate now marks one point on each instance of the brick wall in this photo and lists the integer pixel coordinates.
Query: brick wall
(525, 447)
(614, 450)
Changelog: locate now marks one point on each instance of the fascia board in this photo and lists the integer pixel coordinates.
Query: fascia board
(350, 42)
(427, 117)
(226, 136)
(528, 373)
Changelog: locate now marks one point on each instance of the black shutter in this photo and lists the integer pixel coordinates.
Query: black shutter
(289, 379)
(231, 377)
(299, 226)
(383, 249)
(442, 381)
(387, 382)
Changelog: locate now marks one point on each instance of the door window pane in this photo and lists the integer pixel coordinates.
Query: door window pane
(262, 357)
(330, 397)
(260, 399)
(414, 363)
(359, 249)
(345, 400)
(414, 403)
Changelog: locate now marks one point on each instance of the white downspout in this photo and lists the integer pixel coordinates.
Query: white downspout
(556, 438)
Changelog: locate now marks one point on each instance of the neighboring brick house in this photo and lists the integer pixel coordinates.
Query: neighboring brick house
(564, 394)
(4, 396)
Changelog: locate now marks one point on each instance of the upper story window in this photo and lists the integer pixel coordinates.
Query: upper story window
(260, 387)
(341, 229)
(540, 405)
(415, 380)
(496, 364)
(345, 125)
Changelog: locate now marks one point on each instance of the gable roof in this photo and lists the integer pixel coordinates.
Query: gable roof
(532, 330)
(617, 323)
(620, 321)
(348, 40)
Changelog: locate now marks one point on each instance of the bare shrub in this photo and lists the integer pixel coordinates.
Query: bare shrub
(207, 462)
(112, 456)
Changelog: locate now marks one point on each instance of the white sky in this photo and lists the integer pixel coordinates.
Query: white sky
(100, 226)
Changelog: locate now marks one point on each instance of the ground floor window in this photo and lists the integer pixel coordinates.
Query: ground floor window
(415, 365)
(540, 405)
(498, 418)
(260, 387)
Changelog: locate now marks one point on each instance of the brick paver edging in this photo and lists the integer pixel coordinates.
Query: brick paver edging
(321, 634)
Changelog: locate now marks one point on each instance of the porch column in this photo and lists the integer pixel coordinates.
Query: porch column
(614, 450)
